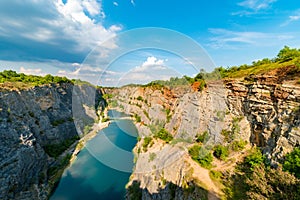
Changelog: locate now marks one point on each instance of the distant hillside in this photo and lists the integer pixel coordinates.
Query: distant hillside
(288, 60)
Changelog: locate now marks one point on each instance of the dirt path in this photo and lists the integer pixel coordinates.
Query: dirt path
(202, 175)
(232, 160)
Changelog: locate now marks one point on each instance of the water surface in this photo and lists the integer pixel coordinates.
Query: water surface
(95, 173)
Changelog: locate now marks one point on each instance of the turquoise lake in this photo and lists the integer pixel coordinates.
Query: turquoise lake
(102, 169)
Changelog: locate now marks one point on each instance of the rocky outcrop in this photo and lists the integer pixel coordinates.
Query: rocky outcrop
(30, 120)
(273, 110)
(262, 111)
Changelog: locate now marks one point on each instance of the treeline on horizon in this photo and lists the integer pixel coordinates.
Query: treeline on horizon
(286, 56)
(35, 80)
(13, 76)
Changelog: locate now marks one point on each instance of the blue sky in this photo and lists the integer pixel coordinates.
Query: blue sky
(57, 36)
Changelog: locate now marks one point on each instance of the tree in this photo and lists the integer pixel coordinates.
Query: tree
(268, 183)
(254, 159)
(292, 162)
(287, 54)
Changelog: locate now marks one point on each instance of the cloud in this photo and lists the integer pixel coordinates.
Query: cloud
(292, 18)
(132, 2)
(152, 63)
(235, 39)
(36, 29)
(256, 4)
(224, 37)
(29, 71)
(87, 73)
(151, 69)
(253, 6)
(115, 3)
(93, 7)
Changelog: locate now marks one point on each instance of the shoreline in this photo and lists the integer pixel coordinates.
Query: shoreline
(74, 150)
(81, 143)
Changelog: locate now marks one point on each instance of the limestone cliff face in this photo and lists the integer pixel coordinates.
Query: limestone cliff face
(30, 119)
(263, 112)
(272, 109)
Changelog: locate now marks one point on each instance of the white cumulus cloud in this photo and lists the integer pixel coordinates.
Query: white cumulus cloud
(29, 71)
(152, 63)
(74, 27)
(151, 69)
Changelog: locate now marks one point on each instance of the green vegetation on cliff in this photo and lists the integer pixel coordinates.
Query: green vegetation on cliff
(12, 76)
(292, 162)
(164, 135)
(201, 155)
(55, 150)
(286, 57)
(255, 179)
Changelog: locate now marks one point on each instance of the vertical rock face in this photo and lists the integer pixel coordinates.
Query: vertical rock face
(273, 110)
(29, 120)
(263, 112)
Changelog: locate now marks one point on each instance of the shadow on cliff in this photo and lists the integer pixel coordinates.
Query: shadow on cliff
(170, 191)
(71, 191)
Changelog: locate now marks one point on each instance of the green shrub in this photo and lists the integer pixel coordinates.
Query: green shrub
(152, 156)
(202, 137)
(113, 103)
(140, 98)
(147, 142)
(238, 145)
(135, 191)
(58, 122)
(194, 151)
(54, 150)
(137, 118)
(292, 162)
(201, 155)
(164, 135)
(255, 158)
(106, 119)
(168, 114)
(146, 114)
(221, 115)
(87, 129)
(107, 96)
(215, 175)
(221, 152)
